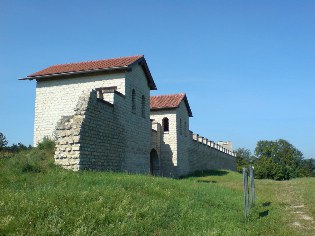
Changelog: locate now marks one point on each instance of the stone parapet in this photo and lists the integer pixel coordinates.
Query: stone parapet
(211, 144)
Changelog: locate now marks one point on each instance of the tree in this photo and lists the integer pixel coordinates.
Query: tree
(3, 141)
(17, 147)
(308, 167)
(243, 158)
(277, 160)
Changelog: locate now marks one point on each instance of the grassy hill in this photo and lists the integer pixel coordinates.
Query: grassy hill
(38, 198)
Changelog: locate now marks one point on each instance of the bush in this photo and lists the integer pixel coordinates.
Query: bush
(5, 154)
(46, 144)
(39, 159)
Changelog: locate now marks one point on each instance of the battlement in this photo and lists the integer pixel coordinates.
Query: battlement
(211, 144)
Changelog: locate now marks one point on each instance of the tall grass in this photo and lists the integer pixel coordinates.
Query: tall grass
(38, 198)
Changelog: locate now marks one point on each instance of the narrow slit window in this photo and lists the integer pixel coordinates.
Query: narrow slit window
(143, 106)
(185, 129)
(180, 127)
(133, 99)
(165, 124)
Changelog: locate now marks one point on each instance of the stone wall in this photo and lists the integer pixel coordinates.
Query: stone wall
(204, 154)
(92, 138)
(111, 135)
(184, 140)
(58, 97)
(92, 119)
(138, 127)
(168, 146)
(183, 152)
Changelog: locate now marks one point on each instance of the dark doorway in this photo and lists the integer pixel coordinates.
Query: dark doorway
(154, 163)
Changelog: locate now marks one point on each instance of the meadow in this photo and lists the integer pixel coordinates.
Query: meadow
(38, 198)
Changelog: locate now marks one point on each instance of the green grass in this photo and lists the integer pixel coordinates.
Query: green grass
(38, 198)
(306, 188)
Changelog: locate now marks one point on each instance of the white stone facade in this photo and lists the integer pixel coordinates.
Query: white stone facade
(102, 122)
(183, 152)
(58, 97)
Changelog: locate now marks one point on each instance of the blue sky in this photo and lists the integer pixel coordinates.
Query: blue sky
(247, 66)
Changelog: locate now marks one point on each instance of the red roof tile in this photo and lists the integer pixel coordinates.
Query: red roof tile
(62, 70)
(88, 66)
(168, 102)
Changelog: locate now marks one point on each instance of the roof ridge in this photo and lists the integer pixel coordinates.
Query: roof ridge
(168, 95)
(72, 63)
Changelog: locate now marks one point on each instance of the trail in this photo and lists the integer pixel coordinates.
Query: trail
(302, 219)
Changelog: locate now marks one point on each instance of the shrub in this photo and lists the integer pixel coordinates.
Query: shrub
(46, 144)
(39, 159)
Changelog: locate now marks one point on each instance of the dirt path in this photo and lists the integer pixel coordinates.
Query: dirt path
(301, 217)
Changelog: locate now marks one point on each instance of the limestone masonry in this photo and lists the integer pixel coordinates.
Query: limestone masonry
(102, 117)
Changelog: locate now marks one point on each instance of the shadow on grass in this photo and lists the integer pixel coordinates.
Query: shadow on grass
(263, 213)
(206, 181)
(206, 173)
(265, 204)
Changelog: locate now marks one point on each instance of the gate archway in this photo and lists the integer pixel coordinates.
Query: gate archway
(154, 162)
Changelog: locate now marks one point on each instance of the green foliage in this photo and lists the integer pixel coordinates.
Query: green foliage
(46, 144)
(8, 151)
(3, 141)
(278, 160)
(36, 160)
(308, 167)
(243, 158)
(18, 147)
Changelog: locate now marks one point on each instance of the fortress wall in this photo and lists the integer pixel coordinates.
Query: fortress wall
(102, 136)
(58, 97)
(206, 155)
(92, 138)
(109, 131)
(137, 127)
(156, 137)
(184, 140)
(168, 148)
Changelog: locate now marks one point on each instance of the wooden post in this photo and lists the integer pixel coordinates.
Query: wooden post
(245, 182)
(252, 185)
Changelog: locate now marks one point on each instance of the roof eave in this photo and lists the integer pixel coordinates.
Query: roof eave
(121, 68)
(142, 62)
(169, 108)
(187, 106)
(162, 108)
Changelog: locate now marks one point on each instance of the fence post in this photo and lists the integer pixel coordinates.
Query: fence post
(252, 185)
(245, 182)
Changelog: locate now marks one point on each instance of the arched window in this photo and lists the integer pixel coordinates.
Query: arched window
(165, 124)
(180, 127)
(133, 99)
(143, 106)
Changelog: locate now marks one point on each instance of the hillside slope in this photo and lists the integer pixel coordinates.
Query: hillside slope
(39, 198)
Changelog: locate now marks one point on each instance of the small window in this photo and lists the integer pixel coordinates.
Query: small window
(100, 94)
(133, 99)
(185, 129)
(180, 127)
(143, 106)
(165, 124)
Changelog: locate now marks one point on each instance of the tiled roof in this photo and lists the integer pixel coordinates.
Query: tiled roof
(87, 66)
(168, 102)
(78, 68)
